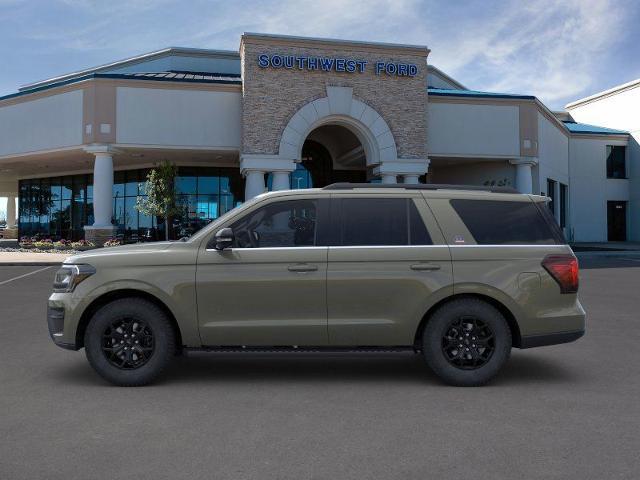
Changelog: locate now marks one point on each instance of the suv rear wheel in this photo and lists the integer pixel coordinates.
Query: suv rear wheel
(466, 342)
(129, 342)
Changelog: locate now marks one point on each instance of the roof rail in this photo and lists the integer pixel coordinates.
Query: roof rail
(419, 186)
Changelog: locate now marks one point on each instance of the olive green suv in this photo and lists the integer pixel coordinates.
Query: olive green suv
(460, 274)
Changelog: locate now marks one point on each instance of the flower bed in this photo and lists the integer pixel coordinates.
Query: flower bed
(39, 245)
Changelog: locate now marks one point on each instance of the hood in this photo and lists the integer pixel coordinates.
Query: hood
(128, 251)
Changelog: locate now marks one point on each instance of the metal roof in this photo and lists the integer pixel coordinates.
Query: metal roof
(475, 93)
(186, 77)
(585, 128)
(134, 60)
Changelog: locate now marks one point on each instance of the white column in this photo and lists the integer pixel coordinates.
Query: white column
(389, 178)
(411, 179)
(280, 181)
(103, 189)
(524, 178)
(254, 184)
(11, 212)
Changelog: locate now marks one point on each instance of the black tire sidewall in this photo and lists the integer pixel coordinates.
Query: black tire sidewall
(438, 325)
(163, 336)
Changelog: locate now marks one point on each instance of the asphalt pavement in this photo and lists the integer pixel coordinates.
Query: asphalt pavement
(569, 411)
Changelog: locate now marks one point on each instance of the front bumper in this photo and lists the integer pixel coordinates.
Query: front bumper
(55, 323)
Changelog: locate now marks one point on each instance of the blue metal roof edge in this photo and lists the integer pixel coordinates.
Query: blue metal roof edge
(122, 76)
(473, 93)
(596, 130)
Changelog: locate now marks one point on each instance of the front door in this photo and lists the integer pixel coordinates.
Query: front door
(269, 289)
(617, 221)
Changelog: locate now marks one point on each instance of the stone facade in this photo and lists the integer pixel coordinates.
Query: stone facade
(271, 96)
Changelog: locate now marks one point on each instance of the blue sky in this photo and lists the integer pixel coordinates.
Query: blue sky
(557, 50)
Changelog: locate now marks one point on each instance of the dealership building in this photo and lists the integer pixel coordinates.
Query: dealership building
(290, 112)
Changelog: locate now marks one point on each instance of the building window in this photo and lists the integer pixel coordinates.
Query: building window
(616, 161)
(59, 207)
(564, 190)
(551, 193)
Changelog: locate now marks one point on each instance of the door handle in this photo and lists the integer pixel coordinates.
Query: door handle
(425, 267)
(302, 268)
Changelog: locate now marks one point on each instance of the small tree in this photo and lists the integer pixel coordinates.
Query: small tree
(160, 191)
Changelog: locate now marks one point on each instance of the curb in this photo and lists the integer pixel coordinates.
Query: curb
(29, 264)
(608, 253)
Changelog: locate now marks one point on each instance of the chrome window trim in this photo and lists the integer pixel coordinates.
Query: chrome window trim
(266, 248)
(355, 247)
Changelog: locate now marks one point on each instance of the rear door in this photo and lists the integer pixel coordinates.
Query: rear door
(387, 264)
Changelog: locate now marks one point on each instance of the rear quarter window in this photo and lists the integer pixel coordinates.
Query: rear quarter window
(503, 222)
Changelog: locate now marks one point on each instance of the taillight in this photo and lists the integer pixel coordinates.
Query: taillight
(564, 270)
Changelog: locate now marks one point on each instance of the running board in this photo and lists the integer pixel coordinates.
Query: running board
(298, 349)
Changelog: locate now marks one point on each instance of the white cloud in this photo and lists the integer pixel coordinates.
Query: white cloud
(546, 48)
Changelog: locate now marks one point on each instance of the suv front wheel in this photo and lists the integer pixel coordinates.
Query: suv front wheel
(466, 342)
(129, 341)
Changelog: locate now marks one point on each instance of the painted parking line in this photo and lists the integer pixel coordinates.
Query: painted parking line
(25, 275)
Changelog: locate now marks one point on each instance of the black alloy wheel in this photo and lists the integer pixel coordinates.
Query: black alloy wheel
(468, 343)
(127, 343)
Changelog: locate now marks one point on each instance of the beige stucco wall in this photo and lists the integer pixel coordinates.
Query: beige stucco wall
(54, 121)
(271, 96)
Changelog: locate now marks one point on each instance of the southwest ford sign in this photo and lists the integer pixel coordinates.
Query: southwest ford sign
(334, 64)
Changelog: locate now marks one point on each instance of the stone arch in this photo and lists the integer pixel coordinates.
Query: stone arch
(340, 108)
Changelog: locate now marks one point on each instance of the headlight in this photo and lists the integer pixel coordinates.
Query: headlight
(69, 276)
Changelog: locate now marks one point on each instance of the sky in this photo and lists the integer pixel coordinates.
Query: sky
(557, 50)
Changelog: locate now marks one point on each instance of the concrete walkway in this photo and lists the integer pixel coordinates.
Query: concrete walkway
(32, 258)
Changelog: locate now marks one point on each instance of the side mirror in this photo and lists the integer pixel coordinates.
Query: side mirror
(223, 238)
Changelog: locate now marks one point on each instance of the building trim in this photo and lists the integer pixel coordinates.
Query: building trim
(315, 42)
(235, 85)
(604, 94)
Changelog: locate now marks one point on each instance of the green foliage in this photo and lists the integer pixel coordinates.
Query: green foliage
(160, 191)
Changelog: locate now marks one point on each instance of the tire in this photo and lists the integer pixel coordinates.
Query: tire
(129, 342)
(485, 347)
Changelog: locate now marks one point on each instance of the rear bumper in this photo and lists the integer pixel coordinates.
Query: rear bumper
(531, 341)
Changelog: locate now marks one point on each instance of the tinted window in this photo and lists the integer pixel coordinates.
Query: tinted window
(616, 167)
(492, 222)
(290, 223)
(381, 221)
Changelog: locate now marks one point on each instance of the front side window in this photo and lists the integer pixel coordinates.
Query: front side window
(495, 222)
(381, 221)
(616, 165)
(290, 223)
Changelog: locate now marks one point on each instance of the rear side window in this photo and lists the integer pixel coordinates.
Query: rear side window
(493, 222)
(381, 221)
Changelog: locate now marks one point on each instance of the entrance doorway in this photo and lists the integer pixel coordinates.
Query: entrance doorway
(330, 154)
(617, 221)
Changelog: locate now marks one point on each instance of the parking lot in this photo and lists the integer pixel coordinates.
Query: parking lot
(568, 411)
